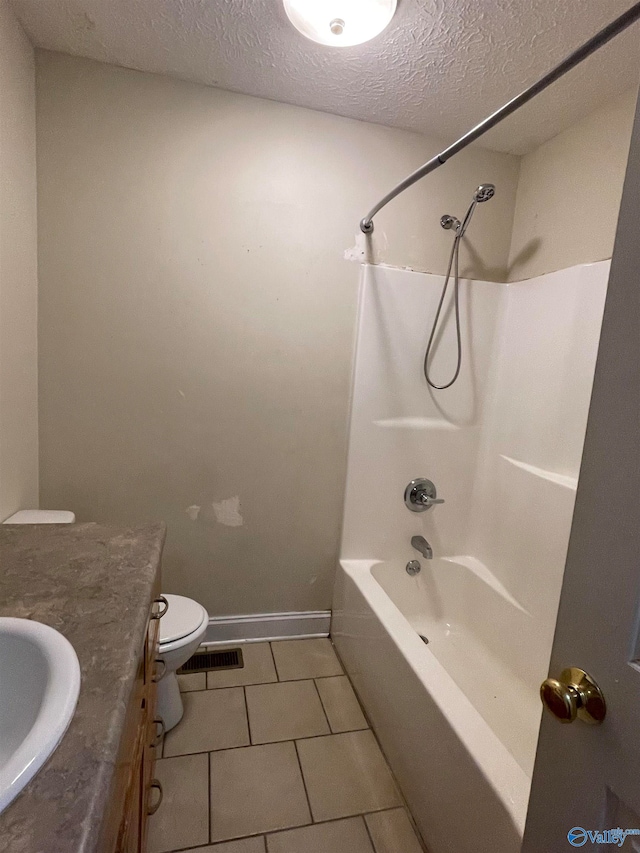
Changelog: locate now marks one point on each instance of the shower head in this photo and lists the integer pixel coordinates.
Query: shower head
(484, 192)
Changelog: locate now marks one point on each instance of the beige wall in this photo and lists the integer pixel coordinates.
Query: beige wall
(197, 313)
(569, 193)
(18, 271)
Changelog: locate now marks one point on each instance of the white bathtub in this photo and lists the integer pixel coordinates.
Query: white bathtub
(456, 723)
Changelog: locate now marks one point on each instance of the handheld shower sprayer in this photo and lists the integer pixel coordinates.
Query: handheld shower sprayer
(483, 193)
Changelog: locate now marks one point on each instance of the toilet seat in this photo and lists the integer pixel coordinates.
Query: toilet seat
(184, 617)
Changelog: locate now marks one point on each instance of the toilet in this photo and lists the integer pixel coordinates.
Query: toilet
(182, 627)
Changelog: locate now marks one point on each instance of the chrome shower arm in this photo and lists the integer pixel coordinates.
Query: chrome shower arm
(595, 43)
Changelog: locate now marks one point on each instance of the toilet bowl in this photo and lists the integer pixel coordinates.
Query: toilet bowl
(182, 628)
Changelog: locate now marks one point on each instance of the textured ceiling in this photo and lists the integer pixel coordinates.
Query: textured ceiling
(440, 67)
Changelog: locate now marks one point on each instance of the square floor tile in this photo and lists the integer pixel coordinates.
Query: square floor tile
(339, 836)
(297, 659)
(258, 668)
(183, 818)
(244, 845)
(213, 719)
(346, 774)
(285, 711)
(256, 789)
(392, 832)
(341, 704)
(192, 681)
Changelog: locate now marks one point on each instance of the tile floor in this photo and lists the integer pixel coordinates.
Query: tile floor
(277, 757)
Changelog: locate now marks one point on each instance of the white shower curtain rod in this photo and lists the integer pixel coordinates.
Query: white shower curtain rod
(575, 58)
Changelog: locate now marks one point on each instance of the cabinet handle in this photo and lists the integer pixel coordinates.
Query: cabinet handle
(160, 613)
(159, 734)
(158, 675)
(152, 809)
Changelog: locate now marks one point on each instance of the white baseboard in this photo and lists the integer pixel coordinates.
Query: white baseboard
(260, 627)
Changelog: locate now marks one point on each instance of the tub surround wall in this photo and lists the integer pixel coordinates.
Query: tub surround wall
(569, 193)
(399, 429)
(18, 270)
(197, 314)
(517, 413)
(525, 482)
(503, 447)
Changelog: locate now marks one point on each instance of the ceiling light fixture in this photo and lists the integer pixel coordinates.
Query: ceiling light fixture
(340, 23)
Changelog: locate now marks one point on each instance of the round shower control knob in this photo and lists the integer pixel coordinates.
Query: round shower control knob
(574, 694)
(421, 495)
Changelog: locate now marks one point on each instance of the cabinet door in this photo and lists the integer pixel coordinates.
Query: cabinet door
(123, 800)
(130, 840)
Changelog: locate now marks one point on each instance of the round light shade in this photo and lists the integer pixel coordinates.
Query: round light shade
(340, 23)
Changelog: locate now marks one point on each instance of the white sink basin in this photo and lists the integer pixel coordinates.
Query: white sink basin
(39, 686)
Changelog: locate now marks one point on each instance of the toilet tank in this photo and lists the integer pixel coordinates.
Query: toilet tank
(41, 516)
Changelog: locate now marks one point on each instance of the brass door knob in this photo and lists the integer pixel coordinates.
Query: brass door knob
(574, 694)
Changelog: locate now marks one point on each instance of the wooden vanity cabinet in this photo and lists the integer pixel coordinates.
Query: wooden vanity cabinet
(136, 793)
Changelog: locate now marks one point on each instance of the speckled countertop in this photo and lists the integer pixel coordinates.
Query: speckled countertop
(94, 584)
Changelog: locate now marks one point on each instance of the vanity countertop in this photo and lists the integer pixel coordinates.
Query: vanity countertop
(93, 583)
